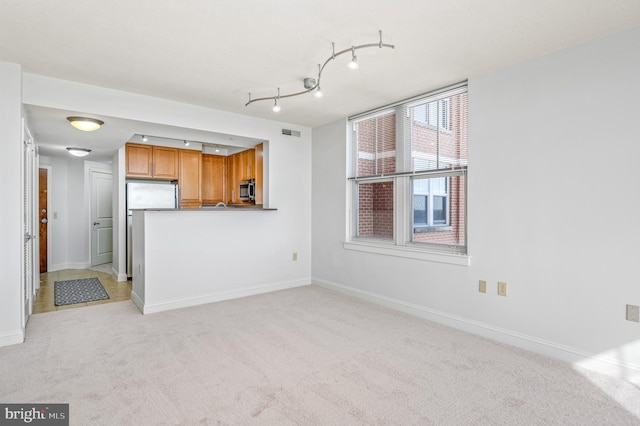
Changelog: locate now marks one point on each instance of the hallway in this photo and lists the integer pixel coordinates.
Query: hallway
(118, 291)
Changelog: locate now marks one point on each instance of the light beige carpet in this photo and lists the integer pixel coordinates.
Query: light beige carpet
(303, 356)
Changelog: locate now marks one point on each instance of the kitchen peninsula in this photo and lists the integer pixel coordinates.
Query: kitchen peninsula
(181, 256)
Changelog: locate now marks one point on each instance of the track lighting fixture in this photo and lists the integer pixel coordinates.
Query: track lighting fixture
(85, 124)
(311, 84)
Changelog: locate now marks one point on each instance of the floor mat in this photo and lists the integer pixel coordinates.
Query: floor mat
(78, 291)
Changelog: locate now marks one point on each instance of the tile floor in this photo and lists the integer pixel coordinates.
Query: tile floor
(118, 291)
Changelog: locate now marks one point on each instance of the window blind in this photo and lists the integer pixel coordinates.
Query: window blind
(423, 135)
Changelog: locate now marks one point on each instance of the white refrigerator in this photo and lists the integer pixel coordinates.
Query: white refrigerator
(147, 195)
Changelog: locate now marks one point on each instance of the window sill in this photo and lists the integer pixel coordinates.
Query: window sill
(408, 252)
(422, 229)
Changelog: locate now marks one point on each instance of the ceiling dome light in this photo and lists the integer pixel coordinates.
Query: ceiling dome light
(79, 152)
(85, 124)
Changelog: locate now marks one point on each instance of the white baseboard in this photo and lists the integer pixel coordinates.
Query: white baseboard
(119, 277)
(63, 266)
(13, 338)
(137, 301)
(577, 357)
(216, 297)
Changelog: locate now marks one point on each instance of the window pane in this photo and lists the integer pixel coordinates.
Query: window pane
(421, 186)
(447, 212)
(439, 185)
(442, 142)
(420, 210)
(375, 210)
(439, 210)
(376, 145)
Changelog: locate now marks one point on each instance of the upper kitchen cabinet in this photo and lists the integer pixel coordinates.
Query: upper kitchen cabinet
(150, 161)
(249, 164)
(240, 167)
(214, 179)
(259, 169)
(190, 179)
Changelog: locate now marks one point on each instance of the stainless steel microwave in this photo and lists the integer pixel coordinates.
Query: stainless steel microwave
(247, 190)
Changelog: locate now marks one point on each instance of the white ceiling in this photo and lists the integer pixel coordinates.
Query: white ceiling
(213, 53)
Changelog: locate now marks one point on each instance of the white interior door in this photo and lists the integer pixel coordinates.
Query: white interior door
(28, 225)
(101, 217)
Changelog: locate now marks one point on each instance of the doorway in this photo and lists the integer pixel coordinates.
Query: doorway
(101, 217)
(43, 216)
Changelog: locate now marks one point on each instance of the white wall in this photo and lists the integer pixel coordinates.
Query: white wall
(119, 267)
(69, 218)
(552, 210)
(10, 214)
(186, 258)
(288, 159)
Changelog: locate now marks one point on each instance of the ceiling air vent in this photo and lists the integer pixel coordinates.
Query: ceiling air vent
(289, 132)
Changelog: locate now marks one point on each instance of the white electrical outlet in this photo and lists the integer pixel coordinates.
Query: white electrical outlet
(633, 313)
(502, 288)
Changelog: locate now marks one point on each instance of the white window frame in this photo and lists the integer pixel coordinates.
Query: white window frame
(402, 244)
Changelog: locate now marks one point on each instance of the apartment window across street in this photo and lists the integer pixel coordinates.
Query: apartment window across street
(408, 174)
(434, 114)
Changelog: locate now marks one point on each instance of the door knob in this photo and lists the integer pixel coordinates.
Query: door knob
(44, 210)
(44, 220)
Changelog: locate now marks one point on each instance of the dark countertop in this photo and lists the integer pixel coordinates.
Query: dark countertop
(213, 208)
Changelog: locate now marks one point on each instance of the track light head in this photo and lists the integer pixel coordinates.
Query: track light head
(276, 107)
(354, 59)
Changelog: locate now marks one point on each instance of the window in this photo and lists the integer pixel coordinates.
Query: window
(430, 202)
(434, 114)
(408, 174)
